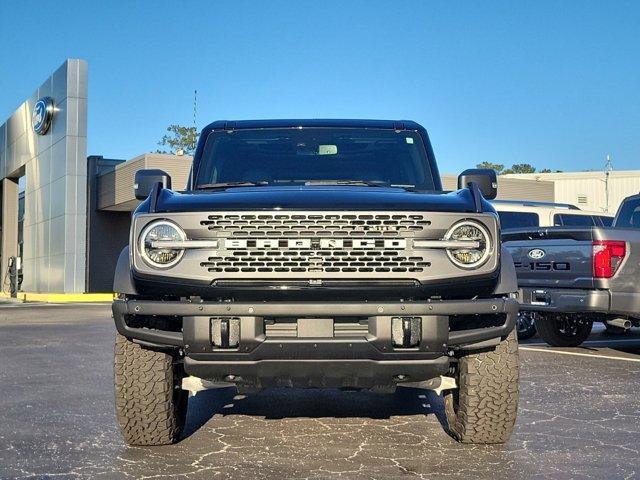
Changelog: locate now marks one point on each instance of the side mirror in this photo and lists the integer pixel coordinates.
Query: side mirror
(146, 179)
(485, 178)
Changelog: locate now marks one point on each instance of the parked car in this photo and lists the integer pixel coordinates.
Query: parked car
(571, 277)
(315, 253)
(515, 214)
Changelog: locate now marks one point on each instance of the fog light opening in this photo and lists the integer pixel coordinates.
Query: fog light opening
(406, 332)
(225, 332)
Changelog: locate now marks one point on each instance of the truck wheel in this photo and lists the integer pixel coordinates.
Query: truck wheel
(150, 406)
(563, 330)
(484, 407)
(525, 325)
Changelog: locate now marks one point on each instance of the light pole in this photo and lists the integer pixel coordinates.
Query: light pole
(608, 167)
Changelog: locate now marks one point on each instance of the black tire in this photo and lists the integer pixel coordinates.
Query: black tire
(525, 325)
(563, 330)
(150, 406)
(484, 407)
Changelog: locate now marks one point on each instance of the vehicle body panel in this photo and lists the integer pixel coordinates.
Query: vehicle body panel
(339, 198)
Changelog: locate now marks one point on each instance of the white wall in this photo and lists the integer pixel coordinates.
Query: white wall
(588, 190)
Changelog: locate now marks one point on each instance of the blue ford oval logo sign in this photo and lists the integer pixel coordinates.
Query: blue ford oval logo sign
(42, 115)
(536, 253)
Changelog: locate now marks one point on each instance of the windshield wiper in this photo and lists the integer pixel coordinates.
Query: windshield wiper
(209, 186)
(364, 183)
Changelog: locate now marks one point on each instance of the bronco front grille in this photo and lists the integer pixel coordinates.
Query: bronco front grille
(331, 243)
(326, 243)
(315, 225)
(318, 248)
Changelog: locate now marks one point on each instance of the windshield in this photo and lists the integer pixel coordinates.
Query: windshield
(315, 155)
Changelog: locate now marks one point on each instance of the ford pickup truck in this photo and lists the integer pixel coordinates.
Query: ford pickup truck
(573, 277)
(313, 254)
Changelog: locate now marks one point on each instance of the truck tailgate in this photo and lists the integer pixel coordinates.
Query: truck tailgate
(552, 257)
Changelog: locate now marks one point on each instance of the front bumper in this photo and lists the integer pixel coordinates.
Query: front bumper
(360, 360)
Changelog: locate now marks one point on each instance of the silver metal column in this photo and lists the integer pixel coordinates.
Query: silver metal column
(9, 228)
(54, 162)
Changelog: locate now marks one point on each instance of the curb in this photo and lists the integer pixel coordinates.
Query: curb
(61, 297)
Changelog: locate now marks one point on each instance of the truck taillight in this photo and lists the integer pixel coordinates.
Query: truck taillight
(607, 257)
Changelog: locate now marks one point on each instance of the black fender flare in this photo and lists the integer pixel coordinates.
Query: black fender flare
(122, 279)
(508, 280)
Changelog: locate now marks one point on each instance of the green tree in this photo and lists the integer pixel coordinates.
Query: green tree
(493, 166)
(522, 168)
(515, 168)
(179, 139)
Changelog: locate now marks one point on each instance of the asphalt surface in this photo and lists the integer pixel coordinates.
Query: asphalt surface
(578, 417)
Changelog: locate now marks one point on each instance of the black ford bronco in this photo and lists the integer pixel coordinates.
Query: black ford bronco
(315, 253)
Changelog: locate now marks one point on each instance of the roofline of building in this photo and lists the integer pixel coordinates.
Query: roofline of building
(588, 174)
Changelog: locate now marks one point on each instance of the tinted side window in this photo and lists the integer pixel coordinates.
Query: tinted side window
(513, 220)
(606, 221)
(629, 214)
(568, 220)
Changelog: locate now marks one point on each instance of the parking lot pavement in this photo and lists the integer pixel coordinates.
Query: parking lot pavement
(578, 417)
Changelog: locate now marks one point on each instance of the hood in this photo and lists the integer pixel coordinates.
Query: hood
(314, 197)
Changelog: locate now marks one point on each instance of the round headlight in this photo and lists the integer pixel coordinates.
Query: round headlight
(475, 233)
(161, 256)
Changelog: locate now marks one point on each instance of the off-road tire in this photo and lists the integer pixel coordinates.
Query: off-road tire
(484, 407)
(150, 406)
(549, 329)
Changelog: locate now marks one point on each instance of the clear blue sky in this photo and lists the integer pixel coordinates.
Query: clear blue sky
(554, 84)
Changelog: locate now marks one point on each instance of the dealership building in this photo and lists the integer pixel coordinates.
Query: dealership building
(65, 215)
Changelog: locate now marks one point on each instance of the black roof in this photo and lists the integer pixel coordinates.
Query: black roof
(528, 203)
(313, 122)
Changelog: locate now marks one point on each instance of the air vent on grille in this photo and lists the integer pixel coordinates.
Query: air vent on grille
(320, 225)
(381, 261)
(305, 244)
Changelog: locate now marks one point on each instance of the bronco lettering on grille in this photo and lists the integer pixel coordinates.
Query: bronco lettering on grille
(308, 243)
